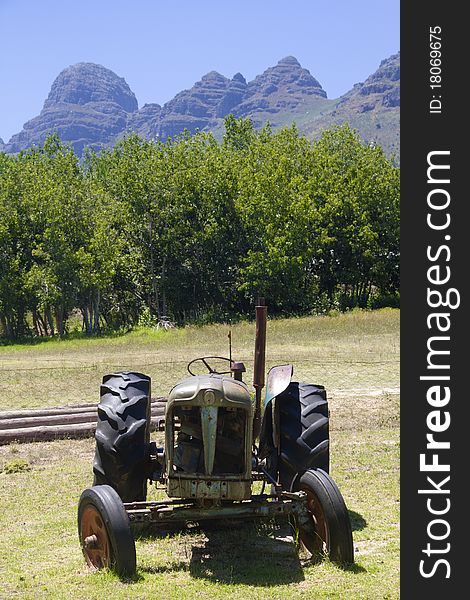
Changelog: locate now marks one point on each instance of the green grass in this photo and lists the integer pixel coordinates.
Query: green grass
(355, 355)
(40, 556)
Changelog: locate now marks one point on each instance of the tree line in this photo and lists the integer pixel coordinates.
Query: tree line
(195, 228)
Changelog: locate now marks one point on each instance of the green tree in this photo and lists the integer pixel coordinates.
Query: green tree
(356, 190)
(194, 227)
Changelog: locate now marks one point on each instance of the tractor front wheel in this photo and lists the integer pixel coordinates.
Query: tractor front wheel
(331, 533)
(104, 531)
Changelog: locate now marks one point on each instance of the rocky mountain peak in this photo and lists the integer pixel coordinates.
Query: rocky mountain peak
(88, 105)
(212, 77)
(285, 86)
(289, 60)
(288, 76)
(384, 84)
(239, 77)
(371, 107)
(388, 69)
(83, 83)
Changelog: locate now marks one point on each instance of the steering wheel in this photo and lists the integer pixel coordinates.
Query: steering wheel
(204, 359)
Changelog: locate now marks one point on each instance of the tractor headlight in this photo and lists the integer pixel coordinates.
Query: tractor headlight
(209, 397)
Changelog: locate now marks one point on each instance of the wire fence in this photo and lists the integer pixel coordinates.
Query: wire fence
(59, 382)
(335, 374)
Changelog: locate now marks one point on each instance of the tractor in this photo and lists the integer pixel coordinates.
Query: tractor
(220, 445)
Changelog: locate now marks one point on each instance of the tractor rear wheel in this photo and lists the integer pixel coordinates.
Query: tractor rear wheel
(304, 431)
(123, 435)
(104, 531)
(331, 534)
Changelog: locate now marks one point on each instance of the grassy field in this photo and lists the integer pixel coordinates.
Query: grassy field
(354, 355)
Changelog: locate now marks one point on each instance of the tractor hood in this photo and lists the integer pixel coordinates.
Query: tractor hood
(225, 391)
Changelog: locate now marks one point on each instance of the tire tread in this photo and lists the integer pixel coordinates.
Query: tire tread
(304, 425)
(122, 434)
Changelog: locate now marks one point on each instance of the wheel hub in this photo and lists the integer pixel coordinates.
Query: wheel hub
(91, 542)
(95, 540)
(318, 542)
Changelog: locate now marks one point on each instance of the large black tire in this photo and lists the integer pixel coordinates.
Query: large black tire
(104, 531)
(123, 435)
(332, 526)
(304, 431)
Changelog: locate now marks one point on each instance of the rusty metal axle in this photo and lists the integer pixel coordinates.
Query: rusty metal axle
(178, 511)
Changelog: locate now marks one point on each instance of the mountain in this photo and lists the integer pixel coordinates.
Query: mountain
(372, 107)
(281, 88)
(197, 108)
(89, 105)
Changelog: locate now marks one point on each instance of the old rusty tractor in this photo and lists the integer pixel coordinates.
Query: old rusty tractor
(219, 443)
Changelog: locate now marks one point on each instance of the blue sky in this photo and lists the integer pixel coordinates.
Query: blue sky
(161, 48)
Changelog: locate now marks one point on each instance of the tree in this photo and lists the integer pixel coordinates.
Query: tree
(193, 227)
(356, 190)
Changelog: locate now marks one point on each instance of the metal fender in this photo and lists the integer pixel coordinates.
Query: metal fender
(279, 379)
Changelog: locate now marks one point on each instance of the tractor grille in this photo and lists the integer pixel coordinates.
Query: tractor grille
(209, 440)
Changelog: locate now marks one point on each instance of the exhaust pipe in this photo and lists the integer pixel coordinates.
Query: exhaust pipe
(259, 363)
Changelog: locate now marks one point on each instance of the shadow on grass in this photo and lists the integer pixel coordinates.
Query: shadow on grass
(248, 553)
(175, 565)
(348, 567)
(353, 568)
(136, 578)
(31, 340)
(357, 521)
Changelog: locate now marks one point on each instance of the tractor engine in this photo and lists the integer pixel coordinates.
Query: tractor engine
(208, 439)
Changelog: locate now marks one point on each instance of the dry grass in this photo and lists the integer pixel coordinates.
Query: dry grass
(39, 552)
(357, 352)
